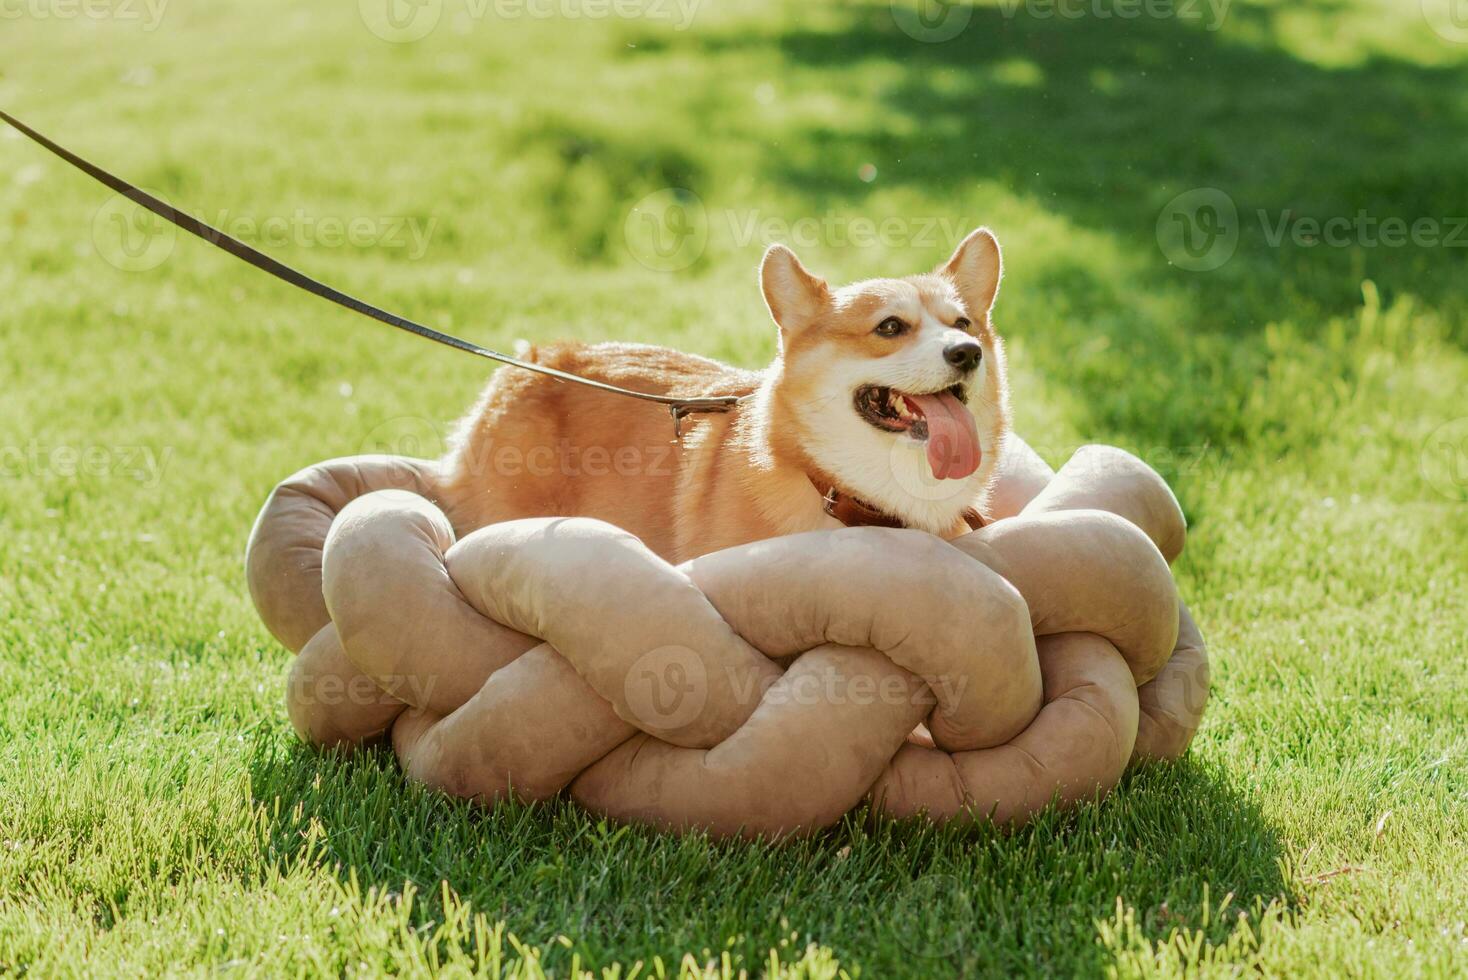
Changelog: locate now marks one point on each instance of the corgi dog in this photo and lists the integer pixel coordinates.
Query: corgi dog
(887, 403)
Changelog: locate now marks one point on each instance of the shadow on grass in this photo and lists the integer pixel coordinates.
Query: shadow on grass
(1105, 120)
(899, 899)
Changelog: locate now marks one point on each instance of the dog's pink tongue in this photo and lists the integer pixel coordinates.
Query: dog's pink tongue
(953, 437)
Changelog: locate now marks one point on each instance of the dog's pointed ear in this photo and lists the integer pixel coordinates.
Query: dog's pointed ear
(794, 295)
(975, 268)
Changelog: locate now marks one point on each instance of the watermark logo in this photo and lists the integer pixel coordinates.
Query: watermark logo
(1444, 460)
(666, 689)
(406, 435)
(931, 21)
(667, 230)
(130, 237)
(1448, 18)
(907, 460)
(1199, 229)
(400, 21)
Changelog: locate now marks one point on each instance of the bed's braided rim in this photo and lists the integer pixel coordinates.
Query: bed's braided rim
(761, 690)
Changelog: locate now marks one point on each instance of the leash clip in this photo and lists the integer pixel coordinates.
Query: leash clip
(828, 503)
(680, 410)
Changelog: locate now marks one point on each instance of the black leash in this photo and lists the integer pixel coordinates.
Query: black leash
(679, 407)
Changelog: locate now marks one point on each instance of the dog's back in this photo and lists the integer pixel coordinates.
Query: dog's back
(534, 446)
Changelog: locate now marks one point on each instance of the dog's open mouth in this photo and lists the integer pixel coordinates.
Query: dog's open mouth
(940, 418)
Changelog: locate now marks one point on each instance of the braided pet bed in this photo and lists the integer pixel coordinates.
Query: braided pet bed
(762, 690)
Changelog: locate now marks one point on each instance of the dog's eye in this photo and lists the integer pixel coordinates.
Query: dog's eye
(962, 323)
(890, 327)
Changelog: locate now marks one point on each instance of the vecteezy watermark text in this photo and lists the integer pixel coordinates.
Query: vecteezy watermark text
(332, 690)
(1209, 13)
(488, 458)
(405, 21)
(669, 229)
(1363, 229)
(668, 688)
(936, 21)
(142, 464)
(835, 229)
(567, 458)
(134, 239)
(1200, 229)
(148, 13)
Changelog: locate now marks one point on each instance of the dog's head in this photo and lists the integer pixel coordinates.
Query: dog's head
(894, 388)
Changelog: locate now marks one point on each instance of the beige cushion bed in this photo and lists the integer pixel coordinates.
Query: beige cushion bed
(759, 691)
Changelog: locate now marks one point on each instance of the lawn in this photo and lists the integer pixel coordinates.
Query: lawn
(1275, 343)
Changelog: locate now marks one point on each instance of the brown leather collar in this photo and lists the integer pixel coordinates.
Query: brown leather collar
(855, 512)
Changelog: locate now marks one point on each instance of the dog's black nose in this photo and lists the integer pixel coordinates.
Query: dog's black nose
(964, 355)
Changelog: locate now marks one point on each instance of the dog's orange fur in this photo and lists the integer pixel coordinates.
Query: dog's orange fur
(534, 446)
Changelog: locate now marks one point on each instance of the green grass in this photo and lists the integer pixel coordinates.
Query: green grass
(156, 814)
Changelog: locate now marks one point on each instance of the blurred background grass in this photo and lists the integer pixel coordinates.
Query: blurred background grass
(514, 175)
